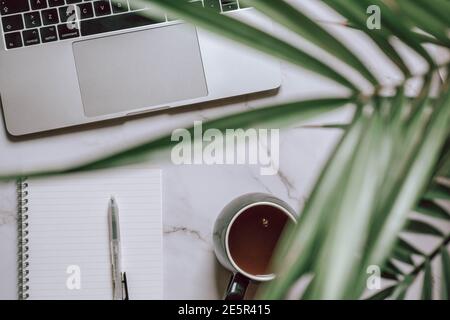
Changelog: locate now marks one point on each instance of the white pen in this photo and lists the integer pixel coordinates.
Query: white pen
(120, 290)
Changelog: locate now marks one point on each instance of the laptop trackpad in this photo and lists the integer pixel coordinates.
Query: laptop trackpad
(139, 69)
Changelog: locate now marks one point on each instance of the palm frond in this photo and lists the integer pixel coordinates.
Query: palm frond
(427, 284)
(246, 34)
(408, 250)
(445, 269)
(280, 115)
(383, 294)
(385, 165)
(300, 23)
(438, 191)
(422, 227)
(431, 208)
(401, 289)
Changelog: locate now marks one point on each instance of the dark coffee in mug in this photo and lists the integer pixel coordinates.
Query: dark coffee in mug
(246, 234)
(253, 236)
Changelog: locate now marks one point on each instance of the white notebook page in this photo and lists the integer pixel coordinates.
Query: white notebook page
(68, 229)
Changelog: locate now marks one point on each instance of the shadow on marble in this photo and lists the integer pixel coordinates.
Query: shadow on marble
(119, 121)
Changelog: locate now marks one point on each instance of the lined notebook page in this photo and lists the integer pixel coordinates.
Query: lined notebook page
(68, 231)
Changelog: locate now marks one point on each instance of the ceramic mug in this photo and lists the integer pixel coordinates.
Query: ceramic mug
(245, 235)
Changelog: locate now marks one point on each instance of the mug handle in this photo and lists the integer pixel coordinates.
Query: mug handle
(237, 287)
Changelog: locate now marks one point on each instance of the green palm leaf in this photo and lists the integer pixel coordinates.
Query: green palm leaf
(401, 289)
(418, 226)
(438, 191)
(416, 175)
(275, 116)
(430, 208)
(246, 34)
(297, 248)
(427, 284)
(392, 270)
(358, 18)
(396, 26)
(383, 294)
(440, 9)
(402, 255)
(424, 20)
(296, 21)
(408, 247)
(445, 295)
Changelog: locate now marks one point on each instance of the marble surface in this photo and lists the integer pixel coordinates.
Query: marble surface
(193, 195)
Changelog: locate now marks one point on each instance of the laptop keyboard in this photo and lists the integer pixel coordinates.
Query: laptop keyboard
(33, 22)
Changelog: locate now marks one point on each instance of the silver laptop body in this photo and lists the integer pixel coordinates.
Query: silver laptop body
(115, 63)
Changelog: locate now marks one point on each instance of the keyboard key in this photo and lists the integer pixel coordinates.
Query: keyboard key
(31, 37)
(12, 23)
(32, 19)
(102, 8)
(13, 6)
(49, 34)
(212, 4)
(68, 13)
(229, 5)
(13, 40)
(38, 4)
(119, 7)
(60, 21)
(86, 10)
(50, 16)
(67, 31)
(56, 3)
(116, 22)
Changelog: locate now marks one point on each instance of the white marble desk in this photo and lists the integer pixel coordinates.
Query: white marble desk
(193, 195)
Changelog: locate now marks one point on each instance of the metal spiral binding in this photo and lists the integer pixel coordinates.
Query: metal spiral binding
(22, 222)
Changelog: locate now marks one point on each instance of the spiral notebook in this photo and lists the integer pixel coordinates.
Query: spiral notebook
(64, 250)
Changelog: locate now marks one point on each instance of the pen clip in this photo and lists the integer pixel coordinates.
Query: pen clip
(124, 287)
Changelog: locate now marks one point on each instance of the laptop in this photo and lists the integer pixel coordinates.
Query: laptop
(71, 62)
